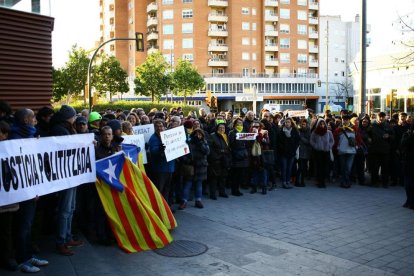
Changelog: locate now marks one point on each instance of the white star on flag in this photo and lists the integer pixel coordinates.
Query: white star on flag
(111, 171)
(129, 156)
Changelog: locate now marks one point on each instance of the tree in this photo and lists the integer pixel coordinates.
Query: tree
(110, 77)
(405, 25)
(186, 79)
(152, 78)
(77, 69)
(60, 84)
(343, 89)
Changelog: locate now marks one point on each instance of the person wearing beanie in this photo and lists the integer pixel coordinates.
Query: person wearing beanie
(188, 126)
(322, 142)
(116, 127)
(62, 124)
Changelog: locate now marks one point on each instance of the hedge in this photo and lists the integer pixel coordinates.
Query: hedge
(128, 105)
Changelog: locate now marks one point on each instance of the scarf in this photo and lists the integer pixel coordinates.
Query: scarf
(24, 131)
(347, 127)
(321, 131)
(225, 138)
(287, 131)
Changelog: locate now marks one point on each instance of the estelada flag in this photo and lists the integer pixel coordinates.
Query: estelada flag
(126, 200)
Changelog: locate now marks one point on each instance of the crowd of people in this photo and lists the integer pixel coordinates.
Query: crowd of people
(283, 152)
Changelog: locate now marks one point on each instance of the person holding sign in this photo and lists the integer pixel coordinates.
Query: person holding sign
(161, 169)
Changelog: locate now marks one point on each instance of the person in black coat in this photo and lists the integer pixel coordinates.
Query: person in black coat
(407, 150)
(219, 161)
(199, 151)
(288, 143)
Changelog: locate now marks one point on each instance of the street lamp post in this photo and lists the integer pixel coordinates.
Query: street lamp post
(139, 38)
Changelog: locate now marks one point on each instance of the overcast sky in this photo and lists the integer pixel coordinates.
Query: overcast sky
(77, 21)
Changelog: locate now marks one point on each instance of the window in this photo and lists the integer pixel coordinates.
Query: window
(131, 20)
(302, 2)
(187, 13)
(284, 13)
(167, 2)
(245, 41)
(343, 73)
(245, 56)
(253, 41)
(284, 28)
(336, 74)
(130, 5)
(342, 60)
(336, 59)
(188, 57)
(187, 1)
(168, 14)
(254, 26)
(187, 28)
(168, 44)
(253, 11)
(285, 1)
(245, 72)
(302, 29)
(284, 57)
(285, 43)
(245, 26)
(168, 29)
(302, 15)
(254, 56)
(302, 58)
(111, 20)
(187, 43)
(302, 44)
(169, 58)
(245, 11)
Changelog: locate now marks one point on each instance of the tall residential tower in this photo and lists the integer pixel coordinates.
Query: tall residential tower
(247, 50)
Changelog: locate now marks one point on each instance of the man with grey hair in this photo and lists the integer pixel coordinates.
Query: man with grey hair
(248, 120)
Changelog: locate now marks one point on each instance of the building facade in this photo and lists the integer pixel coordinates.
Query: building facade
(339, 47)
(253, 51)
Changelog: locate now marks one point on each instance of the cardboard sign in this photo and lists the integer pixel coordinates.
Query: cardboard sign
(175, 143)
(146, 130)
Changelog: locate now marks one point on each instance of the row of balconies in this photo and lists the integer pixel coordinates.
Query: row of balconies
(269, 62)
(217, 17)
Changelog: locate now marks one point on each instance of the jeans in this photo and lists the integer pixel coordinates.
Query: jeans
(322, 161)
(346, 161)
(66, 207)
(25, 218)
(302, 170)
(162, 180)
(198, 189)
(286, 164)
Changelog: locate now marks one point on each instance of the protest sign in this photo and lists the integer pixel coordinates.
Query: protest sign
(246, 136)
(146, 130)
(139, 141)
(298, 113)
(174, 140)
(38, 166)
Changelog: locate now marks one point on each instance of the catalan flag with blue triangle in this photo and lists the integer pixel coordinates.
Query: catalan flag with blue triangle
(140, 217)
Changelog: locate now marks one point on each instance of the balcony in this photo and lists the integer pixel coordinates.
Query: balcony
(271, 33)
(271, 48)
(313, 49)
(152, 7)
(218, 48)
(313, 63)
(313, 35)
(218, 33)
(152, 35)
(218, 62)
(271, 17)
(271, 62)
(313, 5)
(218, 3)
(271, 3)
(313, 21)
(216, 17)
(152, 49)
(152, 21)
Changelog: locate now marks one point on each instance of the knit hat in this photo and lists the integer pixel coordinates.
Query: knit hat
(44, 111)
(114, 124)
(66, 112)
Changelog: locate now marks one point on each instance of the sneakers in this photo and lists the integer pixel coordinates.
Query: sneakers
(74, 243)
(287, 185)
(198, 204)
(37, 262)
(63, 250)
(28, 268)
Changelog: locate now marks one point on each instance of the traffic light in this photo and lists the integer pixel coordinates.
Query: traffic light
(139, 42)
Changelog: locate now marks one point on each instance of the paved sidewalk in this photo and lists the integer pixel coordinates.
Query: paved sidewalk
(303, 231)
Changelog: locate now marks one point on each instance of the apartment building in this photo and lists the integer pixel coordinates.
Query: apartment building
(249, 51)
